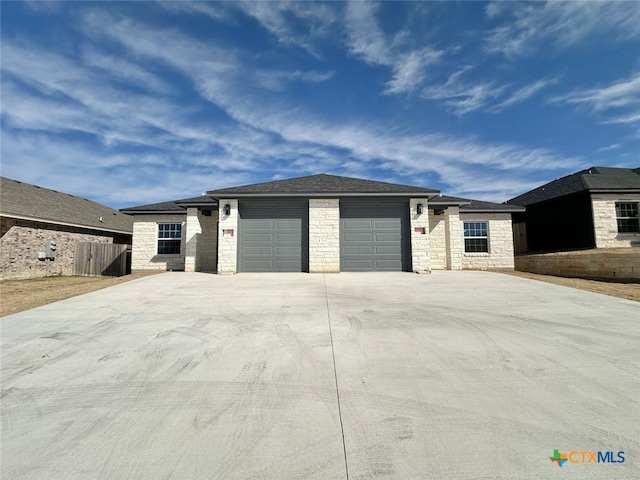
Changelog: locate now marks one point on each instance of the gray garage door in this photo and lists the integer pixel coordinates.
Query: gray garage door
(273, 238)
(373, 238)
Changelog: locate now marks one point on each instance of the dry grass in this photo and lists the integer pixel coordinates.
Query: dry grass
(630, 291)
(20, 295)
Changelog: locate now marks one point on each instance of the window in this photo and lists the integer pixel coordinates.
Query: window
(627, 217)
(169, 238)
(475, 237)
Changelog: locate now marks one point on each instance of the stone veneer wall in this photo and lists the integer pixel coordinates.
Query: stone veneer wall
(21, 240)
(620, 264)
(324, 235)
(144, 253)
(605, 224)
(500, 242)
(454, 237)
(437, 241)
(208, 243)
(228, 242)
(420, 260)
(201, 241)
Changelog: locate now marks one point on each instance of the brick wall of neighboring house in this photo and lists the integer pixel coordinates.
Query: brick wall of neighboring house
(605, 224)
(324, 235)
(500, 242)
(437, 241)
(144, 253)
(21, 240)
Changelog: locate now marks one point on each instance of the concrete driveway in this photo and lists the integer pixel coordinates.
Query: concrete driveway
(454, 375)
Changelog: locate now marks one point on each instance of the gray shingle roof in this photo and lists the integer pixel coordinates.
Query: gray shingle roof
(322, 184)
(592, 179)
(476, 206)
(23, 200)
(172, 206)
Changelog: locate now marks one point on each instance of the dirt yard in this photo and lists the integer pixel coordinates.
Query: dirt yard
(20, 295)
(629, 291)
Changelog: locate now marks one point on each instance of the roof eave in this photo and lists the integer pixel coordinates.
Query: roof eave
(432, 194)
(152, 212)
(198, 204)
(614, 190)
(66, 224)
(489, 210)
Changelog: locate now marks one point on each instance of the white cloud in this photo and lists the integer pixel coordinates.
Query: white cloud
(462, 97)
(367, 41)
(275, 17)
(528, 25)
(610, 147)
(616, 103)
(274, 135)
(524, 93)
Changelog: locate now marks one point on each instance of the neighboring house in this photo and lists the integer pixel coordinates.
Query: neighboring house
(322, 223)
(593, 208)
(29, 215)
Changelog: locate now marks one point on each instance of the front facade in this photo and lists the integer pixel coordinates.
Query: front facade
(322, 224)
(30, 216)
(594, 208)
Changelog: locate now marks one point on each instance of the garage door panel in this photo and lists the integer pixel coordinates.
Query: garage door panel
(358, 224)
(255, 224)
(386, 265)
(288, 223)
(294, 250)
(366, 237)
(358, 265)
(250, 238)
(387, 225)
(358, 250)
(392, 250)
(267, 251)
(287, 237)
(373, 237)
(273, 238)
(386, 237)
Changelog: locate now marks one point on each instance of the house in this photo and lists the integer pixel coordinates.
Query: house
(30, 215)
(593, 208)
(322, 223)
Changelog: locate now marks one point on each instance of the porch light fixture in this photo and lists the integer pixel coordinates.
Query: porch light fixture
(419, 209)
(227, 209)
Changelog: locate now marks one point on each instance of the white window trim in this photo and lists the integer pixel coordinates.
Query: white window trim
(158, 239)
(627, 218)
(476, 254)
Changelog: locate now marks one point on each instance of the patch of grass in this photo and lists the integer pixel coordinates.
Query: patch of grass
(630, 291)
(20, 295)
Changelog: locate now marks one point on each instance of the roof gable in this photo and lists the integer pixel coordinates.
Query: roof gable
(172, 206)
(23, 200)
(474, 206)
(322, 184)
(589, 180)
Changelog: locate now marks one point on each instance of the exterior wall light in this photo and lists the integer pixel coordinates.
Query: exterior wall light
(227, 209)
(419, 209)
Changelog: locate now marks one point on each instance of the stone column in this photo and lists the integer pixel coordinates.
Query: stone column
(228, 237)
(192, 234)
(420, 259)
(455, 238)
(324, 235)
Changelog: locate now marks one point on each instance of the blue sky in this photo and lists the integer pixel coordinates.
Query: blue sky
(133, 103)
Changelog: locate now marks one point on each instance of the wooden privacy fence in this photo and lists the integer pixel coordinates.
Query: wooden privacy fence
(95, 259)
